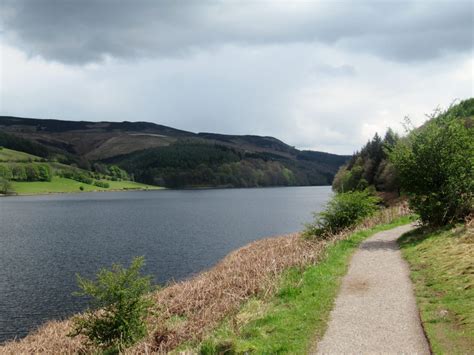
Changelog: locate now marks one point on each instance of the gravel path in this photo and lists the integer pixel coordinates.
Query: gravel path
(375, 311)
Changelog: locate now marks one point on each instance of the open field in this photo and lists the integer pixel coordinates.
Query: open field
(64, 185)
(442, 270)
(9, 155)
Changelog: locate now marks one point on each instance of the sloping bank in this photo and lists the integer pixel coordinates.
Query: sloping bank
(442, 270)
(271, 295)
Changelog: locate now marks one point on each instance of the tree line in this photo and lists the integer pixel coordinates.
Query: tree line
(188, 164)
(433, 166)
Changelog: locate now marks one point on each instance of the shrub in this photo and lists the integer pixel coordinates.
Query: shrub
(6, 172)
(44, 172)
(5, 186)
(344, 210)
(436, 169)
(102, 184)
(32, 172)
(117, 318)
(19, 173)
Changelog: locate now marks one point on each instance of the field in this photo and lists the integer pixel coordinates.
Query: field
(8, 155)
(442, 270)
(63, 185)
(12, 158)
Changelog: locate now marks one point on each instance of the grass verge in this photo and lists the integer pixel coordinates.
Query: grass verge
(442, 270)
(297, 315)
(63, 185)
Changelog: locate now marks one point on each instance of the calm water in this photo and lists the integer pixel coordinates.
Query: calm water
(46, 240)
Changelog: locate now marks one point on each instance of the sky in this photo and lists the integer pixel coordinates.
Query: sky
(321, 75)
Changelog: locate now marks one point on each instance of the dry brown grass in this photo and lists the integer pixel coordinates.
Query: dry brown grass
(186, 310)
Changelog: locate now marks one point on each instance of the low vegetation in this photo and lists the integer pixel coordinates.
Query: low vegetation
(343, 211)
(442, 270)
(296, 315)
(119, 307)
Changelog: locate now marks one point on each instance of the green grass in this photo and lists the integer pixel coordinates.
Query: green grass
(442, 270)
(63, 185)
(9, 155)
(297, 316)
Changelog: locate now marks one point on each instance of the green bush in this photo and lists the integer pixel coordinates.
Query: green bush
(77, 176)
(343, 211)
(102, 184)
(19, 173)
(436, 169)
(5, 186)
(117, 318)
(6, 172)
(44, 172)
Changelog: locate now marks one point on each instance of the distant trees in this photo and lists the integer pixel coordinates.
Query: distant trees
(370, 167)
(5, 186)
(433, 166)
(6, 172)
(199, 164)
(26, 172)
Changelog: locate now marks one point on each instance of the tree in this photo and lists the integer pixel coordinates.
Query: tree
(436, 168)
(119, 307)
(44, 172)
(19, 173)
(5, 186)
(32, 172)
(6, 172)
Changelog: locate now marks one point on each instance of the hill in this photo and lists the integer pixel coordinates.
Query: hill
(27, 174)
(161, 155)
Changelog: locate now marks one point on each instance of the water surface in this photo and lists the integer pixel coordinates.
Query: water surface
(46, 240)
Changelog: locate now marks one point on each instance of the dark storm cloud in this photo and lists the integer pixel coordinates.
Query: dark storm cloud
(88, 31)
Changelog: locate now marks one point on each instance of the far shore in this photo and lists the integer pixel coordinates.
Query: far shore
(150, 188)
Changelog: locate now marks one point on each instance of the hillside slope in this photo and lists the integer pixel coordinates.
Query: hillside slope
(162, 155)
(28, 174)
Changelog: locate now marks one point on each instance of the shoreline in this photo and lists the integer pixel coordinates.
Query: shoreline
(208, 297)
(79, 192)
(157, 188)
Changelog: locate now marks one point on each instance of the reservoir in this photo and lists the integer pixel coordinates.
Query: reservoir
(46, 240)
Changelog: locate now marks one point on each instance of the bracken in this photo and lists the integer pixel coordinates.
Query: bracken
(187, 310)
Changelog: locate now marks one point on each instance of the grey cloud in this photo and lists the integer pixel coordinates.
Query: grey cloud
(88, 31)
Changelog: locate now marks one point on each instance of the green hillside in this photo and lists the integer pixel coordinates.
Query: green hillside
(9, 155)
(160, 155)
(23, 173)
(64, 185)
(371, 166)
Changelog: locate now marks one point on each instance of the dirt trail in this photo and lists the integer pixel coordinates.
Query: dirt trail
(375, 311)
